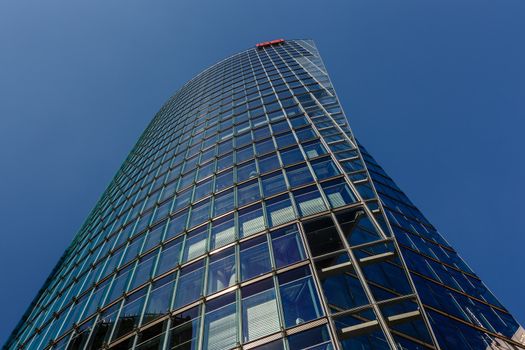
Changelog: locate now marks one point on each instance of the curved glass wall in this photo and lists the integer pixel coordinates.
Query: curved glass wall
(247, 216)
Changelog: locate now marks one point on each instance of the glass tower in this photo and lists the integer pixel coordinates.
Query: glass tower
(247, 216)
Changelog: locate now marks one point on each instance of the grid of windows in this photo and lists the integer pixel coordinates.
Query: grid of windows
(248, 216)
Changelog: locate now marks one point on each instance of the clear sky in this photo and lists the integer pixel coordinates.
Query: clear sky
(434, 89)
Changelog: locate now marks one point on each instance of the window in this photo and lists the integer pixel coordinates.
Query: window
(221, 271)
(244, 154)
(189, 284)
(200, 213)
(169, 256)
(316, 338)
(255, 258)
(324, 168)
(268, 163)
(154, 236)
(259, 310)
(159, 299)
(182, 200)
(222, 232)
(224, 180)
(130, 314)
(185, 331)
(246, 171)
(195, 244)
(248, 193)
(299, 297)
(203, 189)
(285, 140)
(322, 236)
(273, 183)
(225, 162)
(299, 175)
(224, 202)
(309, 201)
(338, 193)
(251, 220)
(263, 147)
(287, 246)
(144, 269)
(279, 210)
(205, 171)
(220, 323)
(291, 156)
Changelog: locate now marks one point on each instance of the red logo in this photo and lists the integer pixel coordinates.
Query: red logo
(269, 43)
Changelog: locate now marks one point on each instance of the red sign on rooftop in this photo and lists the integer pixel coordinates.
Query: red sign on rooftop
(269, 43)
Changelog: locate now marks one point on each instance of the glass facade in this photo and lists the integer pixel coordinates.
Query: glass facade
(247, 216)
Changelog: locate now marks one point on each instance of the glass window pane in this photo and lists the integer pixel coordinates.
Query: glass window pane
(225, 162)
(312, 339)
(255, 258)
(224, 180)
(325, 169)
(222, 232)
(291, 156)
(259, 310)
(189, 284)
(299, 297)
(244, 154)
(306, 134)
(273, 183)
(184, 335)
(268, 163)
(338, 193)
(309, 201)
(287, 246)
(248, 193)
(251, 220)
(144, 269)
(203, 189)
(299, 175)
(200, 213)
(265, 146)
(159, 299)
(169, 257)
(224, 202)
(182, 200)
(195, 244)
(221, 271)
(246, 171)
(130, 314)
(220, 324)
(285, 140)
(279, 210)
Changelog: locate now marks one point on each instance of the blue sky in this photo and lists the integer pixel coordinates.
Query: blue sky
(434, 89)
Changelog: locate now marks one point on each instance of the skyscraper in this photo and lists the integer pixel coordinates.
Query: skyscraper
(248, 216)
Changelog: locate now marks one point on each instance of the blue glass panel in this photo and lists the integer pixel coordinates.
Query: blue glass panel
(169, 256)
(248, 193)
(338, 193)
(268, 163)
(324, 168)
(279, 210)
(273, 183)
(220, 324)
(224, 202)
(222, 232)
(299, 175)
(287, 246)
(189, 284)
(221, 271)
(300, 301)
(255, 258)
(316, 339)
